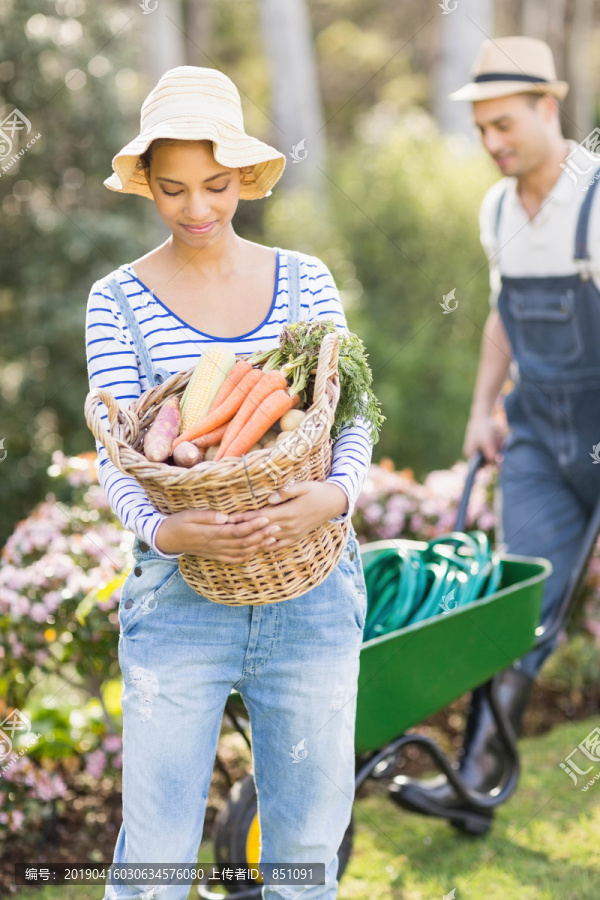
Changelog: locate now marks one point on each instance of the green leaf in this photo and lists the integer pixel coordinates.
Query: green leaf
(98, 595)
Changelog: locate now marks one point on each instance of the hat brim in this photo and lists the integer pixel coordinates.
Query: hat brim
(491, 89)
(231, 148)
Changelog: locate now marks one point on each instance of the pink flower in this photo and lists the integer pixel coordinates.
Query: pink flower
(95, 764)
(17, 819)
(373, 512)
(416, 523)
(18, 649)
(112, 743)
(46, 786)
(38, 612)
(52, 601)
(486, 521)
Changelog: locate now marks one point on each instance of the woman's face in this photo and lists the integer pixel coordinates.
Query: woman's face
(196, 196)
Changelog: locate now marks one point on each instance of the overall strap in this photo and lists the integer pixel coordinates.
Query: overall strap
(499, 213)
(154, 377)
(293, 273)
(581, 235)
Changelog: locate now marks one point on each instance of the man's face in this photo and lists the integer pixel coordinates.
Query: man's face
(516, 132)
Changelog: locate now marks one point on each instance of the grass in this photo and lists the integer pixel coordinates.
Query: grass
(543, 846)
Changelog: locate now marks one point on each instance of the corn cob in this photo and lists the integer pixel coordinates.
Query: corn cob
(206, 379)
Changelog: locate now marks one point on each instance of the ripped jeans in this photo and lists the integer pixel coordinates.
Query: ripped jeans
(295, 664)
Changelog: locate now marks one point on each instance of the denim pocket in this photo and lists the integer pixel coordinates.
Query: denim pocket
(546, 327)
(145, 583)
(351, 565)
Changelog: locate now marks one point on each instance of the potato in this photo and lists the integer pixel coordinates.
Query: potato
(291, 420)
(281, 437)
(158, 442)
(187, 454)
(268, 438)
(211, 453)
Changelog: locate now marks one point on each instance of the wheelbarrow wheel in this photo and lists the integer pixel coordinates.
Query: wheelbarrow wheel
(237, 833)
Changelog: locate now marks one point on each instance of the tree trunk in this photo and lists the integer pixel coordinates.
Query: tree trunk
(164, 38)
(534, 18)
(199, 18)
(578, 105)
(460, 35)
(296, 100)
(165, 47)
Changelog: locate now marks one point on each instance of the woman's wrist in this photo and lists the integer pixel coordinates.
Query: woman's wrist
(161, 538)
(339, 500)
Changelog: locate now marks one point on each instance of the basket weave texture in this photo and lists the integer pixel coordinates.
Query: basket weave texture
(236, 485)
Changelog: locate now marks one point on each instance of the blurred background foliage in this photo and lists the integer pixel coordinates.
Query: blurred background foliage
(385, 196)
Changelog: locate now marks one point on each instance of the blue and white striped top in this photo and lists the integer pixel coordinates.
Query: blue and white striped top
(174, 345)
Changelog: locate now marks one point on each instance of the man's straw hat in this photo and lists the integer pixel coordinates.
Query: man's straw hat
(512, 65)
(190, 103)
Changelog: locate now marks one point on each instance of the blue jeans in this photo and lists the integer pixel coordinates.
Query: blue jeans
(545, 506)
(295, 664)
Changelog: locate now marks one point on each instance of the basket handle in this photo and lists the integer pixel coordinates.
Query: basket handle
(327, 364)
(116, 414)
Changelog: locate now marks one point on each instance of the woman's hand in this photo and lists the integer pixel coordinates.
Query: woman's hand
(298, 510)
(212, 535)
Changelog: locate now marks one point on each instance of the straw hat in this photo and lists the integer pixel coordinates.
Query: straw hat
(190, 103)
(512, 65)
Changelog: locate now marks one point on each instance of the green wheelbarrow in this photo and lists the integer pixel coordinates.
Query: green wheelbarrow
(406, 676)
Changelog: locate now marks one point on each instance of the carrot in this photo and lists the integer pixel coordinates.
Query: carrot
(225, 411)
(234, 377)
(270, 382)
(212, 438)
(271, 409)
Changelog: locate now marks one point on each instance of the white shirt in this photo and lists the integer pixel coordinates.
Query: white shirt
(544, 246)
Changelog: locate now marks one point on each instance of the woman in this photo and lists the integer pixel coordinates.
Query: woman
(295, 663)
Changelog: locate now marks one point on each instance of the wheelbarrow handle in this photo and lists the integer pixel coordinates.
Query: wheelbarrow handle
(475, 462)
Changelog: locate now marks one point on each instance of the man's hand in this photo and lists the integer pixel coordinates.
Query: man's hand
(298, 510)
(483, 434)
(494, 363)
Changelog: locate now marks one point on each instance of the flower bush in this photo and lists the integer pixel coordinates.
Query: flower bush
(393, 504)
(60, 579)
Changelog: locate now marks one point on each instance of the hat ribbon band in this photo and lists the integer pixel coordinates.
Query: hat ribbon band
(506, 76)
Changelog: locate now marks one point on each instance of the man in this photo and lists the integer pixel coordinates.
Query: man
(545, 318)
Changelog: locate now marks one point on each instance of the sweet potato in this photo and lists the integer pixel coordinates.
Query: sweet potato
(158, 442)
(187, 455)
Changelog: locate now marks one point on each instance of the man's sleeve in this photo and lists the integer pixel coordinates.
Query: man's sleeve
(487, 222)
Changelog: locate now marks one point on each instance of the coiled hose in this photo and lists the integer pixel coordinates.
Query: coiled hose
(405, 586)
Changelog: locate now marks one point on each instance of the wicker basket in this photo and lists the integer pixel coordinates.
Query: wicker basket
(235, 485)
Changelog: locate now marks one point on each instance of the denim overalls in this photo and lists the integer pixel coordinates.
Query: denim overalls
(549, 482)
(295, 663)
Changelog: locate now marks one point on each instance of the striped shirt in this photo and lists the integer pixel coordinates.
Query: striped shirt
(174, 345)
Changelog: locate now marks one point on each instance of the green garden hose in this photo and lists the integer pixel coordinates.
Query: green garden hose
(406, 586)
